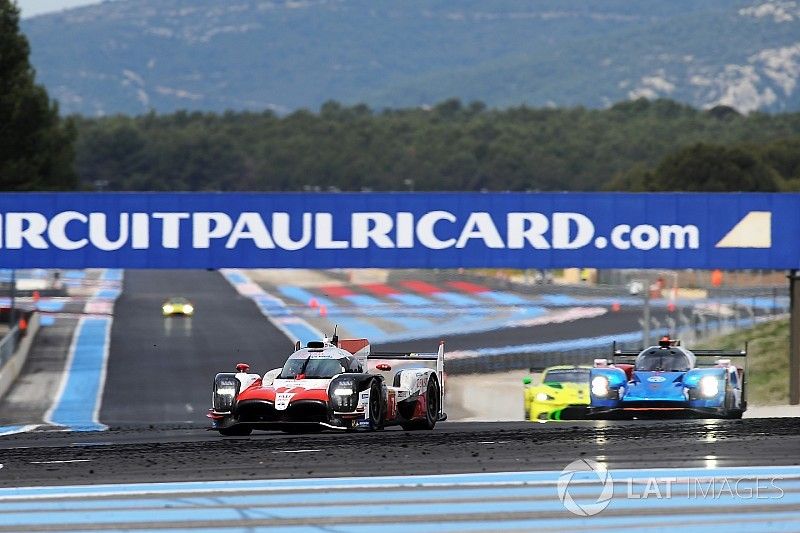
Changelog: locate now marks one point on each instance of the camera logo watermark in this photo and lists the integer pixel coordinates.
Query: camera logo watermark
(586, 487)
(566, 481)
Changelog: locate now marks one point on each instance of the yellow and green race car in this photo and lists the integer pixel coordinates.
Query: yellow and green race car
(563, 394)
(177, 306)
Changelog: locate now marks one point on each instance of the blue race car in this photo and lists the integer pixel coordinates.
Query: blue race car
(667, 380)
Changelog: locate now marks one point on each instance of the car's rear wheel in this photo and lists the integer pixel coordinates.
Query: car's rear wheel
(432, 407)
(239, 430)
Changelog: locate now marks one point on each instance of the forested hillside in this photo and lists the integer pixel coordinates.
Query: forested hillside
(639, 145)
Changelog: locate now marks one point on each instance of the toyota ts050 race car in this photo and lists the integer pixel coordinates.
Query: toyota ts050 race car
(333, 384)
(667, 380)
(563, 394)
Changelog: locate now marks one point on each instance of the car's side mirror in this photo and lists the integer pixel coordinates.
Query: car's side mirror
(527, 380)
(269, 377)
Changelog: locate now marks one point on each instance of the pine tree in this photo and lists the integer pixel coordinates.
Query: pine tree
(36, 146)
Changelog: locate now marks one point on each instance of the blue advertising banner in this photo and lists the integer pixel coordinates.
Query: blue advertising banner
(399, 230)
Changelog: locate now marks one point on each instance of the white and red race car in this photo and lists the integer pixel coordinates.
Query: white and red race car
(333, 384)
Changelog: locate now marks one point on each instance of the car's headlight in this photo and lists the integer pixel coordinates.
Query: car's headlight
(225, 390)
(709, 386)
(544, 397)
(343, 395)
(188, 308)
(167, 308)
(600, 386)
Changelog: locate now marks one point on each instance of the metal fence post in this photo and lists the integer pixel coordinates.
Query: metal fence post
(794, 338)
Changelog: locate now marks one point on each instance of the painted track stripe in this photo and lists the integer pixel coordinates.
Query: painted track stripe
(333, 497)
(336, 291)
(433, 480)
(273, 308)
(78, 402)
(352, 325)
(13, 430)
(466, 286)
(379, 289)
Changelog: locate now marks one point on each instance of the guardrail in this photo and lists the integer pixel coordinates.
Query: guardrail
(725, 313)
(14, 348)
(8, 345)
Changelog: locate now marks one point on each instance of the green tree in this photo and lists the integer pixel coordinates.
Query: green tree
(704, 167)
(36, 147)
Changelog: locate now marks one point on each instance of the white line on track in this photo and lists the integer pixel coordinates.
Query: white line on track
(297, 451)
(60, 462)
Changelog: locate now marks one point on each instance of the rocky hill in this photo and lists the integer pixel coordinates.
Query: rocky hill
(133, 56)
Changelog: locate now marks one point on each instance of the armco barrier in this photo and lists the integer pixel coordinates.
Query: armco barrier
(14, 349)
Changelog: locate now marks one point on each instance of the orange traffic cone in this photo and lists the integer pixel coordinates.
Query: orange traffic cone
(615, 307)
(323, 310)
(313, 303)
(36, 296)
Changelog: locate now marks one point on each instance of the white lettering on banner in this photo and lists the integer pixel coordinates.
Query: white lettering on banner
(373, 227)
(282, 235)
(26, 227)
(324, 233)
(209, 226)
(171, 228)
(250, 226)
(98, 232)
(141, 231)
(434, 230)
(527, 227)
(562, 225)
(57, 230)
(618, 237)
(480, 226)
(405, 230)
(426, 226)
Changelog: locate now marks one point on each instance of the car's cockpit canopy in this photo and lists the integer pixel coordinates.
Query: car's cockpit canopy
(664, 359)
(315, 364)
(567, 375)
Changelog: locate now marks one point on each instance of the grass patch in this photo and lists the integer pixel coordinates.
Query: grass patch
(767, 360)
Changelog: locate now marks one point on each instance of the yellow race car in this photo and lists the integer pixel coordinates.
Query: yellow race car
(563, 394)
(177, 306)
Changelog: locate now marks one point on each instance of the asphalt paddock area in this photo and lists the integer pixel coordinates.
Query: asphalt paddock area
(132, 454)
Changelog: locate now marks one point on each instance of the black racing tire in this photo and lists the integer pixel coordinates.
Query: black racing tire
(432, 407)
(377, 410)
(731, 412)
(239, 430)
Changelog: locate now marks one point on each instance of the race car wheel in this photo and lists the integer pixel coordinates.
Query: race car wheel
(240, 430)
(376, 411)
(731, 412)
(432, 398)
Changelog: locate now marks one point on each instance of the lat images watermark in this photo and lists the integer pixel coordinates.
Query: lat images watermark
(586, 487)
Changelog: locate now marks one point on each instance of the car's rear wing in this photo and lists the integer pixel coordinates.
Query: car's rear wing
(400, 360)
(625, 356)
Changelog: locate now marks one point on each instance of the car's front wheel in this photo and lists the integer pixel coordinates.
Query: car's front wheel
(376, 411)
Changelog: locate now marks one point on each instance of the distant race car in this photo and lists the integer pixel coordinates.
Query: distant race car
(667, 380)
(333, 384)
(177, 305)
(563, 394)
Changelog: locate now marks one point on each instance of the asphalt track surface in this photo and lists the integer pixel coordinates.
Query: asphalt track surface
(157, 391)
(179, 453)
(161, 369)
(623, 321)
